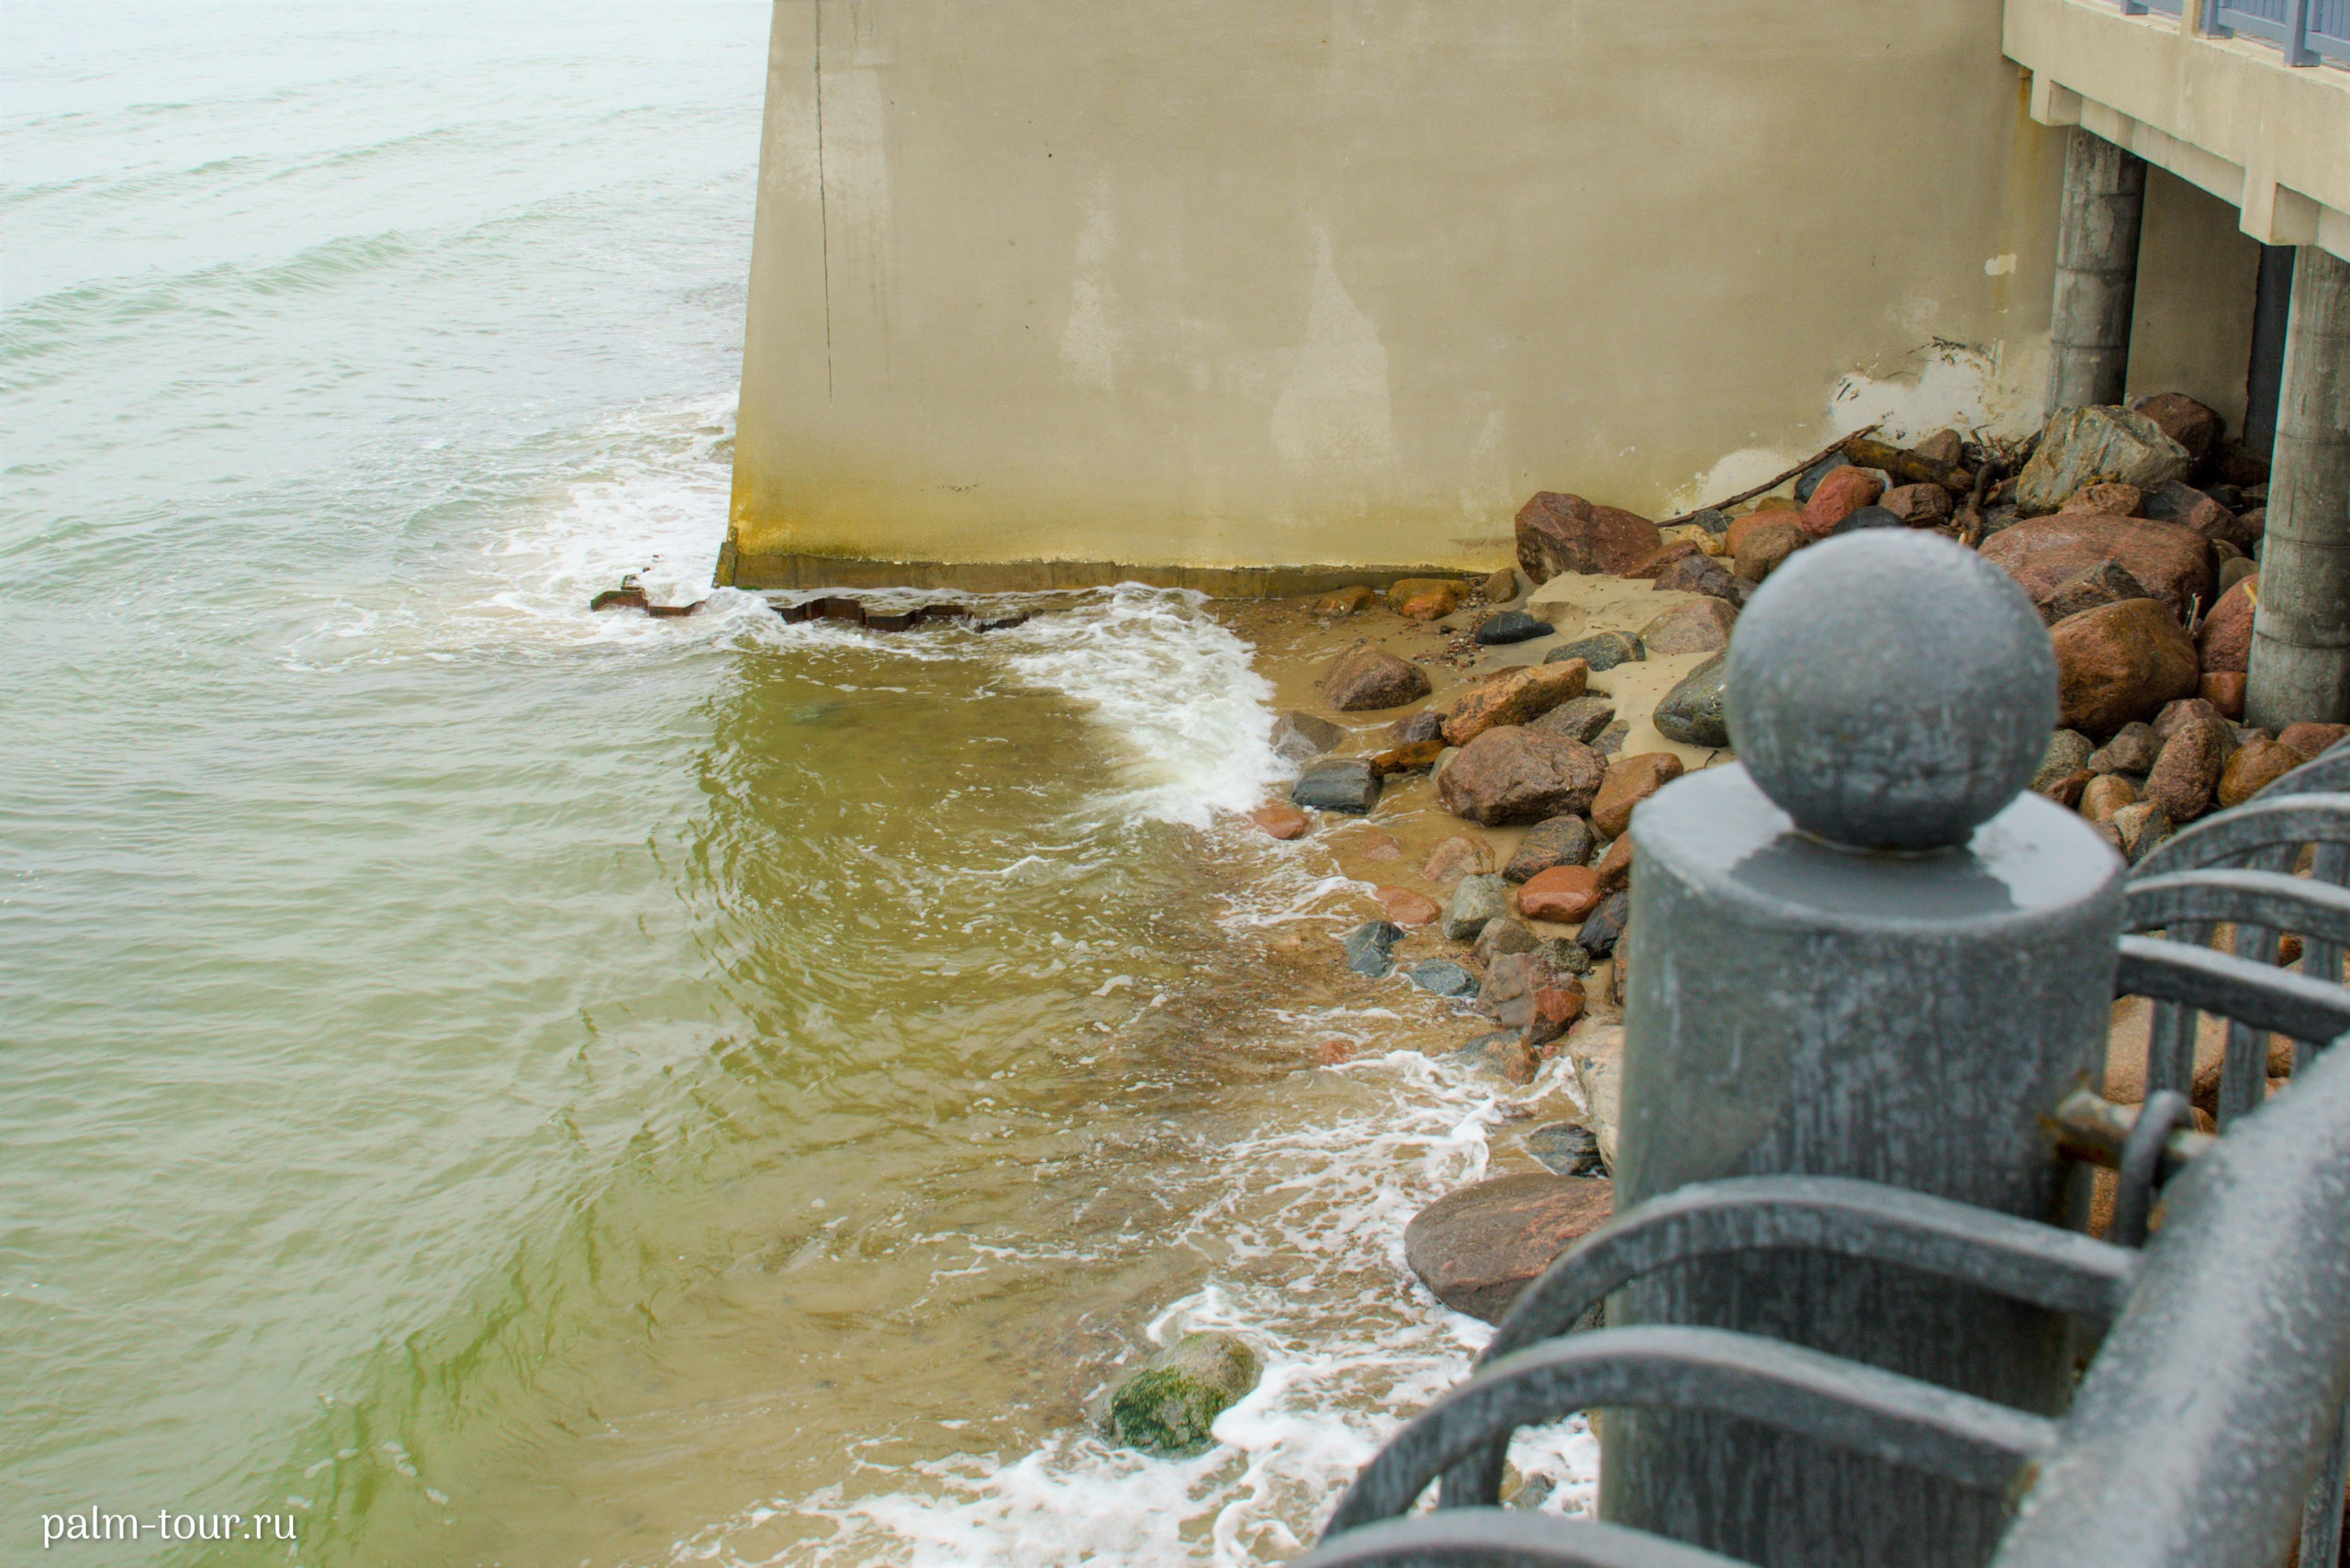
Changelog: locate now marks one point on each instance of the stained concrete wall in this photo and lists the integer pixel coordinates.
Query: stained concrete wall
(1172, 288)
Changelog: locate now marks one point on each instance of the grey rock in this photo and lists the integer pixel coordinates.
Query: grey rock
(1443, 977)
(1567, 1147)
(1427, 724)
(2140, 828)
(1474, 901)
(1367, 944)
(1891, 689)
(1811, 477)
(1611, 739)
(1600, 933)
(2235, 571)
(2068, 752)
(1565, 956)
(1712, 519)
(1502, 1052)
(2131, 750)
(1337, 784)
(1693, 711)
(1556, 841)
(1502, 938)
(1582, 719)
(1511, 626)
(1867, 518)
(1167, 1405)
(1301, 737)
(2084, 445)
(1603, 651)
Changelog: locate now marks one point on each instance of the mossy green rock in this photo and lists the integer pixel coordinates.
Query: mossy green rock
(1167, 1406)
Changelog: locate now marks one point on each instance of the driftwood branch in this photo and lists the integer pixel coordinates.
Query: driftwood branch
(1773, 483)
(1970, 516)
(1910, 467)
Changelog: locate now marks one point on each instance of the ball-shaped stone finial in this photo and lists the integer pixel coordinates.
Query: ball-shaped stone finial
(1890, 690)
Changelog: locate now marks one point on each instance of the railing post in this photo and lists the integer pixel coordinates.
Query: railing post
(1858, 954)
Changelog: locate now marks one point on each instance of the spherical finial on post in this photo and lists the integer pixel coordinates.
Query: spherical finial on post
(1890, 690)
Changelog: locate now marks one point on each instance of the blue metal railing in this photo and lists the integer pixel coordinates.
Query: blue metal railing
(2308, 32)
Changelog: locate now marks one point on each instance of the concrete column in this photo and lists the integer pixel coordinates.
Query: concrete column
(2301, 634)
(2096, 272)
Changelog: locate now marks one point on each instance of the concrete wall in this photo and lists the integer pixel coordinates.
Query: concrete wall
(2198, 276)
(1170, 288)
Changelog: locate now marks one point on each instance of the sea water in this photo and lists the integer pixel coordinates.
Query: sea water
(484, 1082)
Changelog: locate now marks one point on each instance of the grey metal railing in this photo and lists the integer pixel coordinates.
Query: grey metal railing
(2308, 32)
(2210, 1425)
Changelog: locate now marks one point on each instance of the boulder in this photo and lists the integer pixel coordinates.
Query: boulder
(2132, 749)
(1366, 676)
(1602, 652)
(2138, 829)
(2256, 765)
(1299, 736)
(1841, 494)
(1511, 774)
(2223, 689)
(1694, 626)
(2177, 715)
(2106, 794)
(1605, 927)
(1630, 780)
(2112, 499)
(2224, 640)
(1346, 601)
(1666, 554)
(2068, 752)
(1595, 1052)
(1808, 483)
(2173, 563)
(1278, 821)
(2187, 772)
(1514, 981)
(1615, 868)
(1167, 1406)
(2313, 740)
(2081, 446)
(1557, 841)
(1502, 938)
(1424, 598)
(2190, 507)
(1477, 1249)
(1511, 626)
(1367, 944)
(1701, 573)
(1477, 899)
(1413, 758)
(1462, 854)
(1764, 550)
(1567, 1148)
(1557, 532)
(1428, 724)
(1918, 506)
(1563, 894)
(2108, 582)
(1580, 720)
(1693, 712)
(2118, 662)
(1866, 518)
(1513, 697)
(1942, 446)
(2234, 570)
(2195, 428)
(2233, 463)
(1406, 907)
(1501, 587)
(2249, 527)
(1337, 784)
(1443, 977)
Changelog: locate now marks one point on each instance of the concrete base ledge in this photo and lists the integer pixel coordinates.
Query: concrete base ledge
(775, 572)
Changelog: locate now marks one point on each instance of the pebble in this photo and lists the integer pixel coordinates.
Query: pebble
(1555, 840)
(1368, 678)
(1367, 944)
(1424, 598)
(1511, 626)
(1615, 868)
(1337, 784)
(1693, 712)
(1565, 895)
(1630, 780)
(1455, 858)
(1280, 821)
(2257, 764)
(1603, 651)
(1443, 977)
(1502, 587)
(1502, 938)
(1605, 927)
(1567, 1147)
(1346, 601)
(1694, 626)
(1407, 908)
(1301, 736)
(2132, 749)
(1477, 899)
(1582, 719)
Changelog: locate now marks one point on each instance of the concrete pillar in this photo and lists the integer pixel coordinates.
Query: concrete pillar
(2097, 273)
(2301, 634)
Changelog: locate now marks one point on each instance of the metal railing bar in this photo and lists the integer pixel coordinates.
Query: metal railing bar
(2258, 995)
(2288, 821)
(2273, 899)
(1505, 1538)
(1896, 1419)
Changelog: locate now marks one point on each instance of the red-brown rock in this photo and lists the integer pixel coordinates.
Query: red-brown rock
(1630, 780)
(1764, 550)
(1919, 506)
(1501, 587)
(1698, 626)
(2224, 640)
(1555, 1007)
(1280, 820)
(2173, 563)
(2189, 508)
(1699, 573)
(2256, 765)
(1406, 907)
(1346, 601)
(2188, 769)
(1455, 858)
(2177, 715)
(1664, 556)
(1516, 696)
(1478, 1248)
(2183, 419)
(1424, 598)
(2223, 689)
(1615, 868)
(1566, 894)
(2107, 496)
(2069, 790)
(1742, 526)
(1843, 492)
(1511, 774)
(1559, 533)
(2118, 662)
(1366, 676)
(2313, 740)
